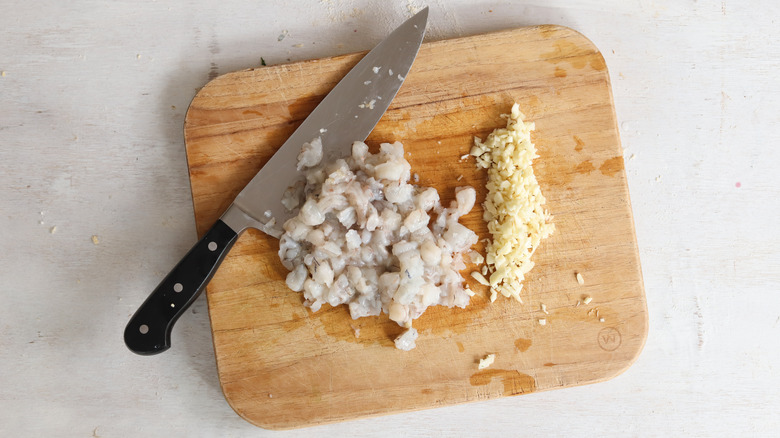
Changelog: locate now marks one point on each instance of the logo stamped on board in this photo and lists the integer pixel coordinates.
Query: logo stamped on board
(609, 339)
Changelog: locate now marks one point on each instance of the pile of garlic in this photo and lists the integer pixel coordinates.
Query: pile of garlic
(513, 207)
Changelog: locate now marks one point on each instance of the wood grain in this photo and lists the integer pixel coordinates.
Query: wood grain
(281, 366)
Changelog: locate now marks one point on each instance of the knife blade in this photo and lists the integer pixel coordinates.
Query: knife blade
(347, 114)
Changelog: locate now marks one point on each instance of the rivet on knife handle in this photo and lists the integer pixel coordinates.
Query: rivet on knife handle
(149, 330)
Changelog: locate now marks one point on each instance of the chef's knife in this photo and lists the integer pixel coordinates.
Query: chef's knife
(347, 114)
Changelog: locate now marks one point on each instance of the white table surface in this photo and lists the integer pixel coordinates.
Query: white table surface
(92, 101)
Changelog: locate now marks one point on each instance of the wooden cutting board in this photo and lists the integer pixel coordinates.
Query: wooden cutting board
(281, 366)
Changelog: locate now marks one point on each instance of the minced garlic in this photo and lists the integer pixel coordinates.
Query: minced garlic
(480, 278)
(487, 361)
(513, 207)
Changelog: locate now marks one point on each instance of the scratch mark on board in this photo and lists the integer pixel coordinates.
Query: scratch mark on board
(281, 88)
(227, 146)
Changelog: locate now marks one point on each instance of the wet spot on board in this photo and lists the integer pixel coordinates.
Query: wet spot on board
(579, 143)
(373, 330)
(597, 62)
(585, 167)
(556, 168)
(522, 344)
(612, 166)
(300, 108)
(531, 106)
(567, 51)
(548, 33)
(427, 391)
(575, 55)
(443, 321)
(514, 382)
(295, 322)
(461, 349)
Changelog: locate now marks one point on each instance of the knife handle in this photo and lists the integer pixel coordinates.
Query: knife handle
(149, 330)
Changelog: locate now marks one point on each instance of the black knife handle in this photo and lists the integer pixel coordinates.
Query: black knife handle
(149, 330)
